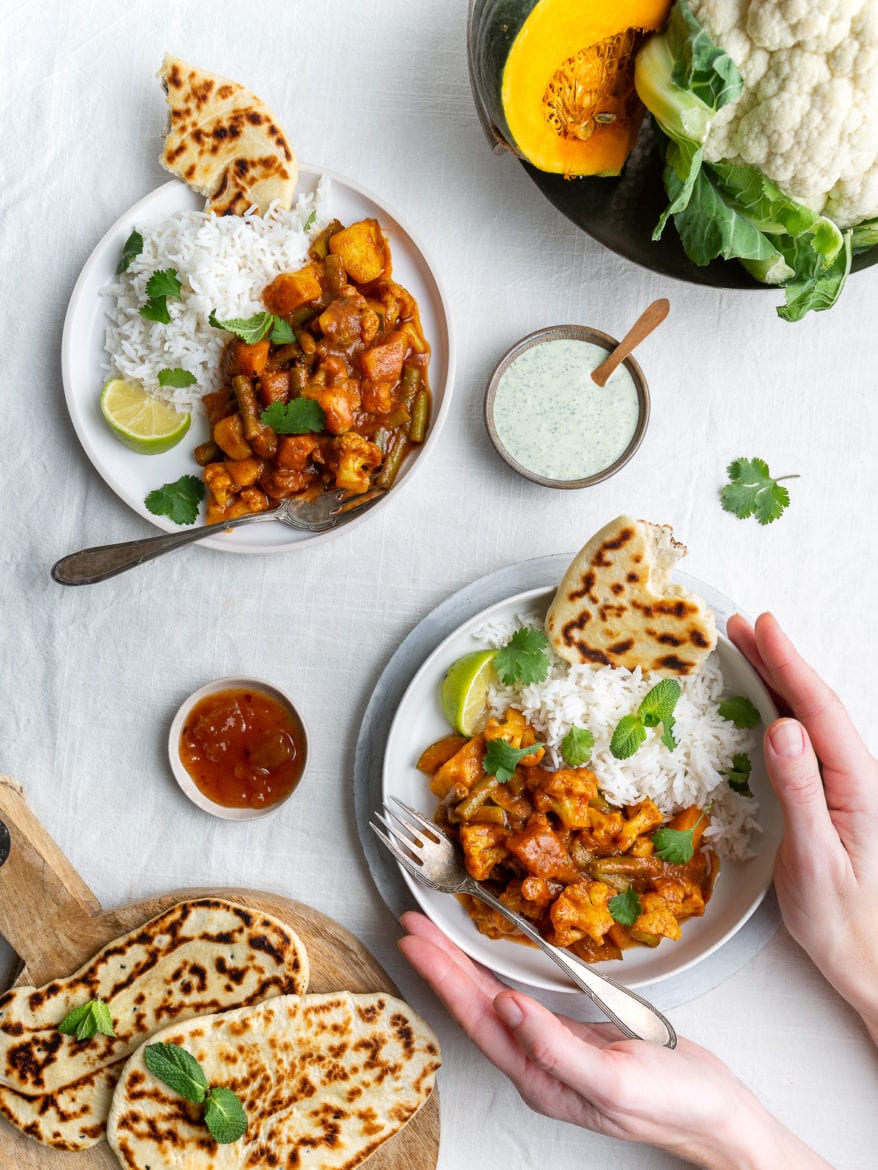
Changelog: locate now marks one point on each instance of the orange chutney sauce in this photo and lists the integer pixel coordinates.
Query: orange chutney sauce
(243, 749)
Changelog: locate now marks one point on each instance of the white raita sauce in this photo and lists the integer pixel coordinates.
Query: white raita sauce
(551, 417)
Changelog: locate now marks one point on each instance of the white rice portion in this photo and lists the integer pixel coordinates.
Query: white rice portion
(597, 699)
(223, 264)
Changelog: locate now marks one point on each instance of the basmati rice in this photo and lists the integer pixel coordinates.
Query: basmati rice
(223, 264)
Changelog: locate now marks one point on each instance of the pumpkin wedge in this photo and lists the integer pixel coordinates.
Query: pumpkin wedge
(555, 78)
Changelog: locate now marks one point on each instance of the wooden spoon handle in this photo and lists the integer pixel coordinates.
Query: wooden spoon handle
(46, 909)
(642, 327)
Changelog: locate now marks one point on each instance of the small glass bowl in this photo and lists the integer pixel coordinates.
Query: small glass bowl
(575, 333)
(185, 781)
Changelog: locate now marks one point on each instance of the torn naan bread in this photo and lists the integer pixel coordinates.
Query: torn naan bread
(324, 1080)
(617, 606)
(224, 142)
(196, 958)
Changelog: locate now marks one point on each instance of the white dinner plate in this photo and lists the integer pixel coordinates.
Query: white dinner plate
(83, 360)
(740, 887)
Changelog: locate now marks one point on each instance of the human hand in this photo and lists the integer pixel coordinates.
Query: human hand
(826, 873)
(684, 1100)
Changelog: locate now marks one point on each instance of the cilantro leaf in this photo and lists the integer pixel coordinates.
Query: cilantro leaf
(501, 758)
(164, 283)
(523, 659)
(178, 500)
(676, 846)
(300, 416)
(248, 329)
(176, 377)
(87, 1020)
(282, 332)
(224, 1115)
(738, 775)
(752, 491)
(625, 908)
(156, 309)
(178, 1069)
(132, 247)
(628, 735)
(576, 746)
(740, 711)
(657, 705)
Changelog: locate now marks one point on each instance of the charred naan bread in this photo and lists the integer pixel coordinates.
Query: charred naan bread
(324, 1080)
(224, 142)
(616, 605)
(197, 958)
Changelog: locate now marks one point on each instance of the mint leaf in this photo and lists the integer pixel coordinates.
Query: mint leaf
(132, 247)
(628, 735)
(738, 775)
(87, 1020)
(177, 377)
(740, 711)
(501, 758)
(668, 738)
(309, 223)
(752, 491)
(178, 500)
(576, 746)
(625, 908)
(657, 705)
(178, 1069)
(156, 309)
(164, 283)
(523, 659)
(281, 332)
(224, 1115)
(300, 416)
(248, 329)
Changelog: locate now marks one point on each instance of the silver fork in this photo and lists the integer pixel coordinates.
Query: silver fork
(434, 859)
(106, 560)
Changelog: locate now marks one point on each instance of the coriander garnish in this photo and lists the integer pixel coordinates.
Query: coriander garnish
(752, 491)
(523, 659)
(501, 758)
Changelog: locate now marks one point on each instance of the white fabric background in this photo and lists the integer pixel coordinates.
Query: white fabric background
(91, 677)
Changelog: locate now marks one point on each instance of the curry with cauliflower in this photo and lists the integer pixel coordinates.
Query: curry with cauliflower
(550, 847)
(348, 339)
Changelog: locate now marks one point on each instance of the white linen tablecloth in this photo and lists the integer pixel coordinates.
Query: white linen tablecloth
(91, 677)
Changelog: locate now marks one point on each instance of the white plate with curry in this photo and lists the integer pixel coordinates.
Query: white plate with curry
(740, 886)
(133, 476)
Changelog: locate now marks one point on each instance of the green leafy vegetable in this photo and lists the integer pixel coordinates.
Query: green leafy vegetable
(309, 223)
(523, 659)
(667, 737)
(676, 846)
(738, 775)
(176, 377)
(156, 309)
(625, 908)
(132, 247)
(657, 705)
(248, 329)
(164, 283)
(576, 746)
(501, 758)
(281, 332)
(299, 416)
(739, 710)
(87, 1020)
(628, 735)
(178, 500)
(224, 1115)
(752, 491)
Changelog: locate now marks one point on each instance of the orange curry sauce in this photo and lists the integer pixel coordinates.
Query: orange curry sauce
(243, 749)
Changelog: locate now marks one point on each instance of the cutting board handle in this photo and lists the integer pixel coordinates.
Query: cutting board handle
(46, 909)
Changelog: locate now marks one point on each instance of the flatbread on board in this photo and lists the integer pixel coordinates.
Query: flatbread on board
(324, 1080)
(224, 142)
(196, 958)
(616, 604)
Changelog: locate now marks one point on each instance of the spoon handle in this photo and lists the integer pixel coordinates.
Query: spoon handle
(651, 317)
(91, 565)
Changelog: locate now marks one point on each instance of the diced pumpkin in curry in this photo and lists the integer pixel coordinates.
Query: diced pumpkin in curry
(361, 249)
(290, 290)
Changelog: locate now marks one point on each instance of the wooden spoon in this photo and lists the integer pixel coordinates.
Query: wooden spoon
(642, 327)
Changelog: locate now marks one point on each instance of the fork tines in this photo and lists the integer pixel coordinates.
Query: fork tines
(347, 503)
(403, 838)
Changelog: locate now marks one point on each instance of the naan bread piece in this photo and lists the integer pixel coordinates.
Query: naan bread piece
(324, 1079)
(617, 606)
(224, 142)
(196, 958)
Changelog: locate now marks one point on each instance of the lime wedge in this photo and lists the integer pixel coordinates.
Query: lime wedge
(141, 421)
(464, 690)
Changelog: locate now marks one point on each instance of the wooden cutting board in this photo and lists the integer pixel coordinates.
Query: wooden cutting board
(55, 923)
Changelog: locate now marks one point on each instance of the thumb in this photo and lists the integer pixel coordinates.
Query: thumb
(795, 776)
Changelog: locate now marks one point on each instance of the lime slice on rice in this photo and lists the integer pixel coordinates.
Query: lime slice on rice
(140, 420)
(464, 691)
